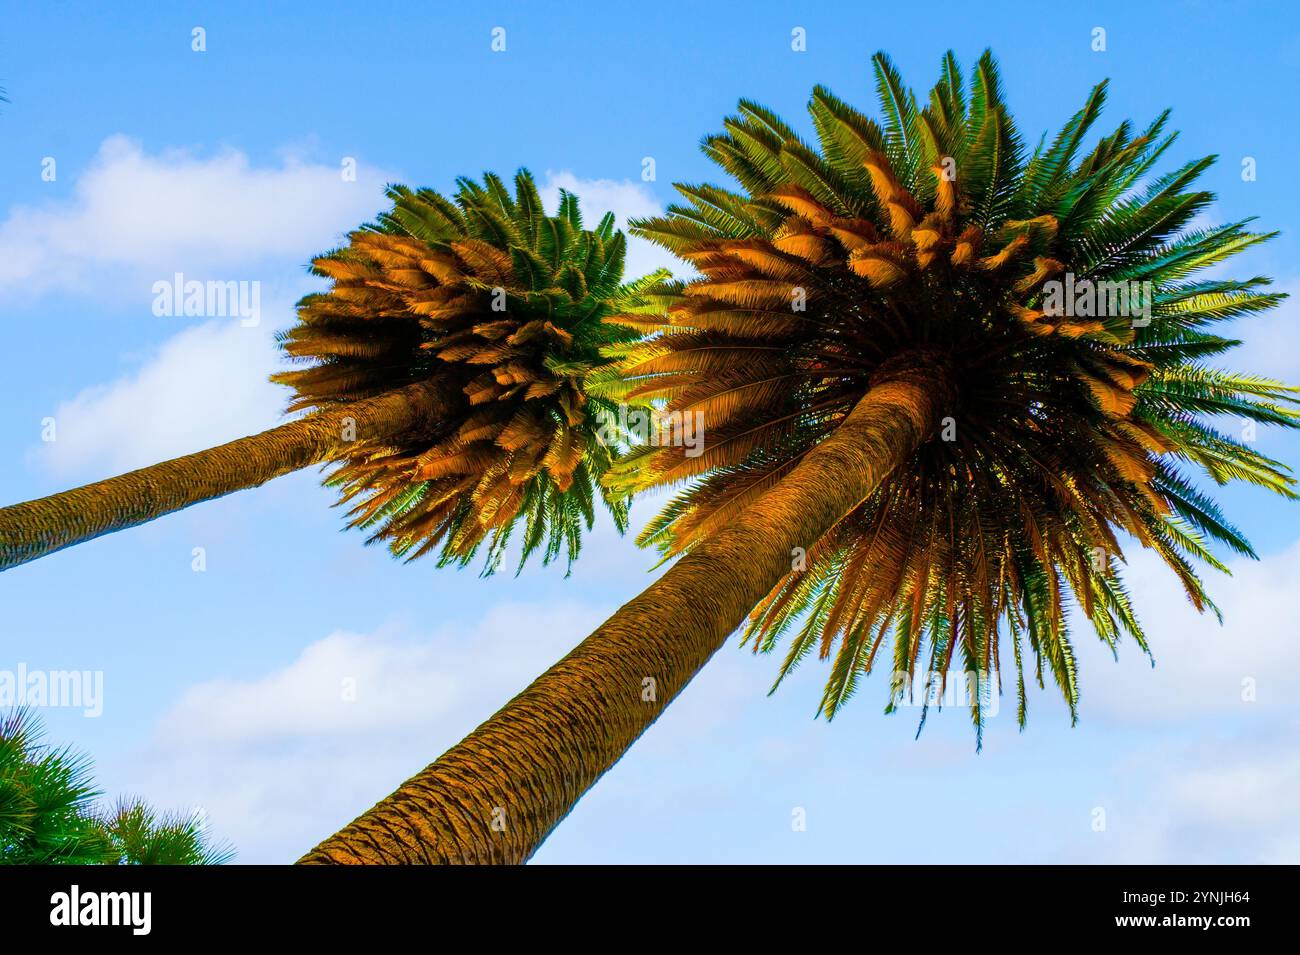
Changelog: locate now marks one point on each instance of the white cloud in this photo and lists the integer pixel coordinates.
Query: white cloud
(627, 200)
(150, 215)
(1200, 665)
(134, 217)
(1269, 341)
(206, 385)
(1214, 778)
(278, 762)
(1220, 799)
(391, 684)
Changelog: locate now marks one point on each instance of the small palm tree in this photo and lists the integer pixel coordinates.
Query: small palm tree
(908, 436)
(444, 372)
(48, 814)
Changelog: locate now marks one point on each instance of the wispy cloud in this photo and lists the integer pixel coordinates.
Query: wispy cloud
(204, 386)
(279, 761)
(134, 217)
(1216, 798)
(1268, 340)
(1202, 669)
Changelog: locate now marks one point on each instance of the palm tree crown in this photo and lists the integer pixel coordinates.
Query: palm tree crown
(936, 240)
(505, 305)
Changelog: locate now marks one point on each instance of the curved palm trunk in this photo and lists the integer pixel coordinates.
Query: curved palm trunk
(36, 528)
(497, 794)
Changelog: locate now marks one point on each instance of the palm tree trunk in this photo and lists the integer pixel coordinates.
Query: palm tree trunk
(36, 528)
(497, 794)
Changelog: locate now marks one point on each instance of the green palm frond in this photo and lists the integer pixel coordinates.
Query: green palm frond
(48, 812)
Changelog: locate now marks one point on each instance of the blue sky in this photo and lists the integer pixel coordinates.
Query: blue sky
(221, 687)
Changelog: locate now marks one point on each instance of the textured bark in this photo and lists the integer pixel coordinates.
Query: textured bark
(497, 794)
(36, 528)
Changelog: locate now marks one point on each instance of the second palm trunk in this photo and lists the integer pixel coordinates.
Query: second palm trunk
(495, 796)
(36, 528)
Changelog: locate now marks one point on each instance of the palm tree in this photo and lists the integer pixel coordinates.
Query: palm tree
(444, 376)
(909, 434)
(48, 814)
(137, 834)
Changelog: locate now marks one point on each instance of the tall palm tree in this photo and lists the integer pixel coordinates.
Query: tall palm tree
(444, 376)
(908, 433)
